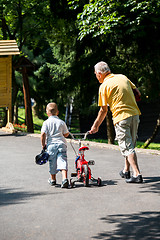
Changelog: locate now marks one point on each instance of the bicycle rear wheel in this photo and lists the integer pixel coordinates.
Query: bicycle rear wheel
(85, 175)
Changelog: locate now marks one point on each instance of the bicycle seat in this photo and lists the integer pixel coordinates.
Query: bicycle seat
(83, 148)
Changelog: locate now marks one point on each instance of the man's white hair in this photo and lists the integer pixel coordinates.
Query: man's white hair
(102, 67)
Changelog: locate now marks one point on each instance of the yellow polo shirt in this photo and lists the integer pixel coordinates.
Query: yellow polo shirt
(116, 91)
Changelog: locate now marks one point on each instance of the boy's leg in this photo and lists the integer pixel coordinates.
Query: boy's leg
(62, 160)
(65, 182)
(52, 150)
(53, 177)
(64, 174)
(62, 164)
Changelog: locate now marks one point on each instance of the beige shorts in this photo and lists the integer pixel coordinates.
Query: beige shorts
(126, 134)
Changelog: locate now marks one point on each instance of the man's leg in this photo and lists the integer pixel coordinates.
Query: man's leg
(137, 177)
(132, 160)
(125, 173)
(127, 165)
(126, 133)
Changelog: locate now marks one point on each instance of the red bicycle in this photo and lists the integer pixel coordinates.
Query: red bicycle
(83, 171)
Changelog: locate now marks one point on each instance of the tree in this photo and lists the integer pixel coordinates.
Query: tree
(23, 21)
(131, 33)
(133, 28)
(156, 129)
(65, 39)
(74, 60)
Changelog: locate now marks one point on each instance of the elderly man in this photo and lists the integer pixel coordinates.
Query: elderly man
(116, 91)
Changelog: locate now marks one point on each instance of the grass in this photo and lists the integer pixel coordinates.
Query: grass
(154, 146)
(36, 120)
(39, 122)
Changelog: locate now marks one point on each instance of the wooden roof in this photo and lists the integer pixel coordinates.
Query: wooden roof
(8, 47)
(23, 62)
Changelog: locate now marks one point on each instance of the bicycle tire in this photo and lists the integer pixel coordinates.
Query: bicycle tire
(85, 175)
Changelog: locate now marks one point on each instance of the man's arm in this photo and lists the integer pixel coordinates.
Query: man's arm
(138, 92)
(66, 134)
(43, 139)
(100, 117)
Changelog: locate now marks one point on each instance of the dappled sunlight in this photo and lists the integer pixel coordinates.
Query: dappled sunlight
(142, 225)
(152, 185)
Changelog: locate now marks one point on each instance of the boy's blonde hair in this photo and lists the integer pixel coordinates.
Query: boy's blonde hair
(52, 108)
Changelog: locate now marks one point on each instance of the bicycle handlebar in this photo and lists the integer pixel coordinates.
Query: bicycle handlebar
(79, 134)
(86, 134)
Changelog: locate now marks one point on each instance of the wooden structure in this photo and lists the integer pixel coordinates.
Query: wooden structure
(24, 66)
(7, 49)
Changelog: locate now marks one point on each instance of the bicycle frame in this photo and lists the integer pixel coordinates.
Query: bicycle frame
(83, 171)
(80, 161)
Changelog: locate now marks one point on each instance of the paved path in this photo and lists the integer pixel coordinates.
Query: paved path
(30, 209)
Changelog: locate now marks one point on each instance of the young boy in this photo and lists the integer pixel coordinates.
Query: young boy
(53, 134)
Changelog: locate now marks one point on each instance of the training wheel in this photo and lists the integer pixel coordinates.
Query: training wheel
(99, 182)
(72, 184)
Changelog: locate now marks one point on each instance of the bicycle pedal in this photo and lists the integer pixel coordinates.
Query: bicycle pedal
(91, 162)
(73, 174)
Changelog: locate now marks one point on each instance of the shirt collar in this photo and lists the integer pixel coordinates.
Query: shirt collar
(54, 116)
(109, 76)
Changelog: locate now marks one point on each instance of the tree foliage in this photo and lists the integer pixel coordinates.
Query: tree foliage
(65, 39)
(132, 30)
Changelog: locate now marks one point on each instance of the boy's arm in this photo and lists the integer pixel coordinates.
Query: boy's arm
(43, 139)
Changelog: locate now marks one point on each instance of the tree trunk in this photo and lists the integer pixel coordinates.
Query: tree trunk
(27, 101)
(15, 113)
(149, 140)
(110, 127)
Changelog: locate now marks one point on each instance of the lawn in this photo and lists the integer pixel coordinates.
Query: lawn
(38, 122)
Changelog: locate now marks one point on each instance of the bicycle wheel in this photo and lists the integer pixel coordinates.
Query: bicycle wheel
(99, 182)
(85, 175)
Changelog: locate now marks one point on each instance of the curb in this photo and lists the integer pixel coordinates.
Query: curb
(115, 147)
(95, 144)
(107, 146)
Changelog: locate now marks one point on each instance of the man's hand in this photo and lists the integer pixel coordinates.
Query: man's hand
(93, 130)
(101, 115)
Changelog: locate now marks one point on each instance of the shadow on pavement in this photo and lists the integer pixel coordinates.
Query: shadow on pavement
(13, 196)
(152, 184)
(91, 185)
(6, 135)
(143, 225)
(152, 179)
(11, 134)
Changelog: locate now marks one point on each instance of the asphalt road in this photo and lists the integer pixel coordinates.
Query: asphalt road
(30, 209)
